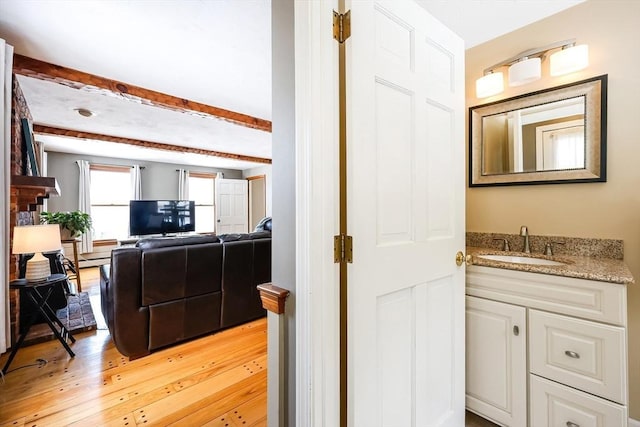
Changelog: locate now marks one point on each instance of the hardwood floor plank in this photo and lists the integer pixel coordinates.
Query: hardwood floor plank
(188, 384)
(13, 423)
(167, 366)
(140, 396)
(260, 423)
(248, 413)
(243, 391)
(152, 384)
(191, 398)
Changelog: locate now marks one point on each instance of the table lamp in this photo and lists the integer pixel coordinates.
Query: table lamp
(35, 239)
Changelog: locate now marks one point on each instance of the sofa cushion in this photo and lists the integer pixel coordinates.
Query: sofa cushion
(175, 321)
(171, 273)
(234, 237)
(163, 242)
(260, 235)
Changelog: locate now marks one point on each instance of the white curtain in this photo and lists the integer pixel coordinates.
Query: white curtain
(567, 148)
(183, 184)
(136, 183)
(6, 64)
(84, 202)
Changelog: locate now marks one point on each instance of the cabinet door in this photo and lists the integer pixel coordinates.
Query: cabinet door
(496, 339)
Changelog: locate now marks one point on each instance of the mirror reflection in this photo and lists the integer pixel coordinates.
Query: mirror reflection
(551, 136)
(543, 137)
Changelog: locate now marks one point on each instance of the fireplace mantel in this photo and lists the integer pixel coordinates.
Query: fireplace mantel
(32, 190)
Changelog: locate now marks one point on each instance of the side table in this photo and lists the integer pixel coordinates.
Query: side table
(40, 300)
(74, 244)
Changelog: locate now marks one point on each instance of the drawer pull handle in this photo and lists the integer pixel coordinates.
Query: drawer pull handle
(570, 424)
(516, 330)
(573, 355)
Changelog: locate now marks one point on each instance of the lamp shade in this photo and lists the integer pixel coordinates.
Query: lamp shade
(525, 71)
(490, 84)
(569, 60)
(28, 239)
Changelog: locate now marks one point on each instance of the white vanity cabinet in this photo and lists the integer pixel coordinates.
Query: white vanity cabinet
(545, 350)
(496, 351)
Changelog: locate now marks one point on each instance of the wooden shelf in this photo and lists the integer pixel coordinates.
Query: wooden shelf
(33, 190)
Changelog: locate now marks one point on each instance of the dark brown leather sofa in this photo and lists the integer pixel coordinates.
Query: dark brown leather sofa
(167, 290)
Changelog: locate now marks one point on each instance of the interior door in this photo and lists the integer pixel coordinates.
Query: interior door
(405, 201)
(231, 206)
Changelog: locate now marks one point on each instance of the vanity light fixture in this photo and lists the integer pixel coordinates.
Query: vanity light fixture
(526, 70)
(492, 83)
(526, 67)
(568, 60)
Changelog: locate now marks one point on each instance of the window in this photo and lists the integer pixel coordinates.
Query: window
(110, 195)
(201, 191)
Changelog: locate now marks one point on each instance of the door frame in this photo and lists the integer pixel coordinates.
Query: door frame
(250, 197)
(6, 59)
(317, 220)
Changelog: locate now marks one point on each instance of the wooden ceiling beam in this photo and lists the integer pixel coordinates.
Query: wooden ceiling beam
(50, 130)
(41, 70)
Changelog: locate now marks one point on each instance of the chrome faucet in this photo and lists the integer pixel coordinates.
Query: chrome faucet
(505, 244)
(524, 232)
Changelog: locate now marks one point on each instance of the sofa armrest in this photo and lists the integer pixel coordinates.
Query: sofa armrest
(129, 323)
(106, 297)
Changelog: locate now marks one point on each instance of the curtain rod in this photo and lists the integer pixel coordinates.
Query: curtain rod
(117, 166)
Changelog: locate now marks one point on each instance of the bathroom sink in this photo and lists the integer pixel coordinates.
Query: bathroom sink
(518, 259)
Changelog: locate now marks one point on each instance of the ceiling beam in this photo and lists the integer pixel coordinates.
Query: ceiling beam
(50, 130)
(41, 70)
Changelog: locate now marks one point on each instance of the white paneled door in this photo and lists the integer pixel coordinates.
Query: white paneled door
(405, 124)
(232, 212)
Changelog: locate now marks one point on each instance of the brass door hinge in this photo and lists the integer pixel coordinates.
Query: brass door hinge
(341, 26)
(342, 249)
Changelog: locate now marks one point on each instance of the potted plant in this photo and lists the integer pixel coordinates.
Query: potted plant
(72, 224)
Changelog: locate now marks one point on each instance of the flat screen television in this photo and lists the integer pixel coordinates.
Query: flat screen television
(161, 217)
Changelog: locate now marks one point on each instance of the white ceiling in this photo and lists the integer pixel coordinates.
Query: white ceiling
(213, 52)
(478, 21)
(116, 116)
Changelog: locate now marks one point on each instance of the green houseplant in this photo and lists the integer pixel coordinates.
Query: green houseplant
(75, 223)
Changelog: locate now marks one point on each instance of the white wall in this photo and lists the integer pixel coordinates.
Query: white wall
(159, 180)
(284, 212)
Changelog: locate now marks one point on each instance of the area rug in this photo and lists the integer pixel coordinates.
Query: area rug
(77, 317)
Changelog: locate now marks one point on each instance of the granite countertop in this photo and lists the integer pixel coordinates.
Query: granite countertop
(581, 267)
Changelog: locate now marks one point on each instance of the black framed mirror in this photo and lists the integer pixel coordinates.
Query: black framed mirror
(551, 136)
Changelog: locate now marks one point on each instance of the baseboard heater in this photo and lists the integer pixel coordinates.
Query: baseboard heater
(93, 262)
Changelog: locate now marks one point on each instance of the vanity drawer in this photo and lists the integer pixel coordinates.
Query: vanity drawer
(555, 405)
(588, 299)
(582, 354)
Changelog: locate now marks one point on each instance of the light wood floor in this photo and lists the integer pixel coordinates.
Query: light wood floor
(218, 380)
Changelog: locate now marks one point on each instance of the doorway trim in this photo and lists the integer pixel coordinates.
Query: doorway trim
(317, 219)
(251, 199)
